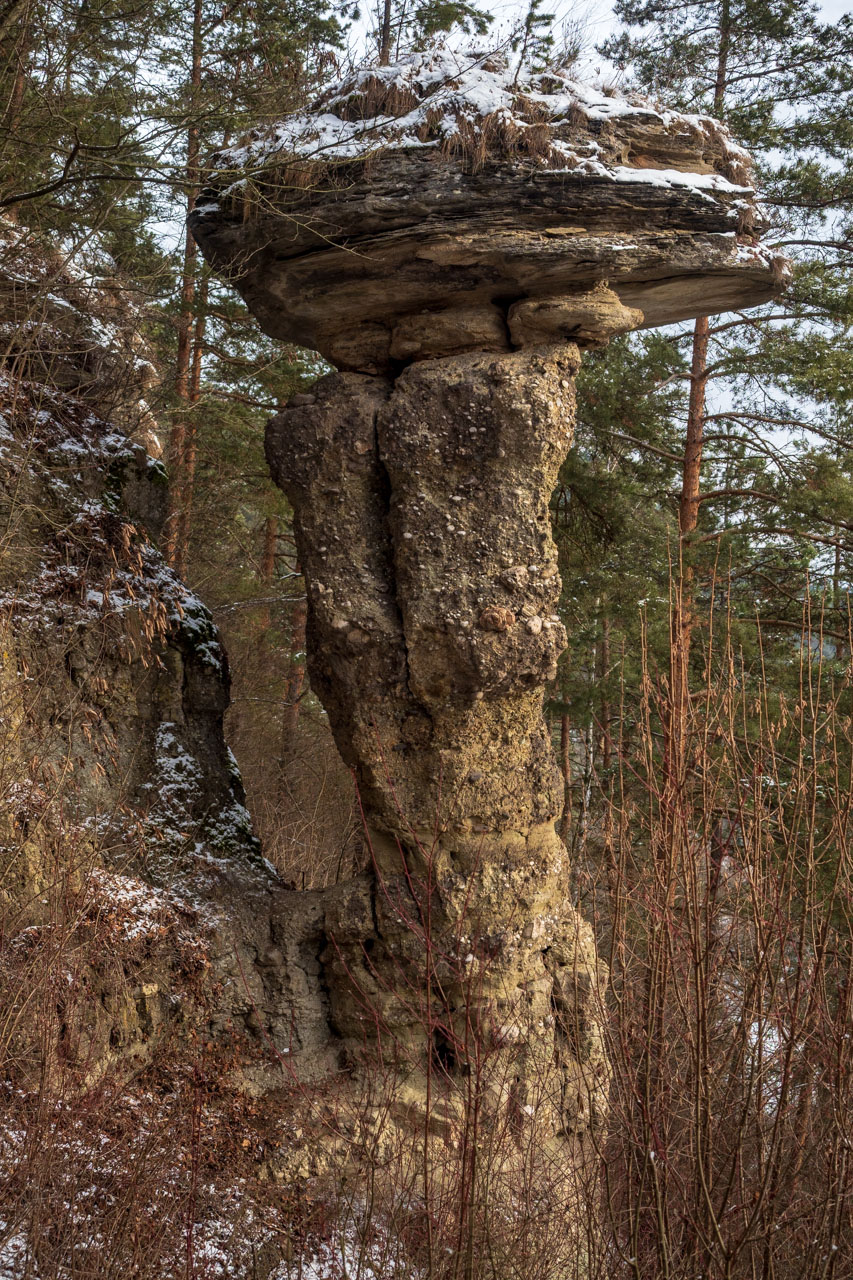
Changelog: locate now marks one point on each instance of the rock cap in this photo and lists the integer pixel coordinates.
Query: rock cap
(444, 203)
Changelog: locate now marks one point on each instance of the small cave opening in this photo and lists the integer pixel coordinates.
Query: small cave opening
(445, 1054)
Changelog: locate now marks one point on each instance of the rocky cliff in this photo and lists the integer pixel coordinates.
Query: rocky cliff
(123, 824)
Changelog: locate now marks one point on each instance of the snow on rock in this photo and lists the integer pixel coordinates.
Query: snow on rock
(68, 323)
(176, 795)
(135, 911)
(411, 207)
(436, 99)
(117, 661)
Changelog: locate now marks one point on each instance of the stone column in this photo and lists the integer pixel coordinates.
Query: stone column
(448, 236)
(422, 522)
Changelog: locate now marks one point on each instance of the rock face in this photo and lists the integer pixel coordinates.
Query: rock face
(132, 885)
(451, 240)
(423, 527)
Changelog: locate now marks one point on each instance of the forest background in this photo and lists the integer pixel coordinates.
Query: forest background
(108, 113)
(714, 460)
(704, 517)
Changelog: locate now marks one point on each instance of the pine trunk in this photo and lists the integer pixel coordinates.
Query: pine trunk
(183, 360)
(688, 517)
(295, 682)
(566, 771)
(190, 442)
(268, 567)
(385, 35)
(604, 672)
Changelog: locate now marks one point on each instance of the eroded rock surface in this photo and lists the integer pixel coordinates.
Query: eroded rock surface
(422, 521)
(452, 240)
(123, 834)
(430, 198)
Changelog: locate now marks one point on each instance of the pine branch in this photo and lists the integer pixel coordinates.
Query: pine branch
(49, 188)
(8, 13)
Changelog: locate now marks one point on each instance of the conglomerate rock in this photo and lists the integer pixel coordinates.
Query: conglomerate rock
(423, 529)
(451, 238)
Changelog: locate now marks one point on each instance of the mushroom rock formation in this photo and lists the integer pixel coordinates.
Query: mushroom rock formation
(451, 239)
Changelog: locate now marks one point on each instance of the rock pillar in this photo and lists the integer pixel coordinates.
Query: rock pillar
(422, 522)
(447, 235)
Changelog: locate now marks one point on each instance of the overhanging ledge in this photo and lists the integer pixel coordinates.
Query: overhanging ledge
(439, 185)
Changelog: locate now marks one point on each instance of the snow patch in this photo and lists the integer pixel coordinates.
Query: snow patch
(452, 90)
(137, 910)
(378, 1257)
(15, 1257)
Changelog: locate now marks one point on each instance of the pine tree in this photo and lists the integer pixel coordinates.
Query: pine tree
(775, 73)
(243, 64)
(77, 126)
(400, 27)
(612, 521)
(534, 42)
(761, 502)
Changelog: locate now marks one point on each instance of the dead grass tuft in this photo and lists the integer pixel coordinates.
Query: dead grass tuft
(376, 98)
(497, 135)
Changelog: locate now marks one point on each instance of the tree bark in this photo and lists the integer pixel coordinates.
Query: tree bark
(721, 77)
(294, 683)
(566, 770)
(190, 439)
(385, 35)
(604, 672)
(177, 453)
(688, 507)
(268, 552)
(688, 517)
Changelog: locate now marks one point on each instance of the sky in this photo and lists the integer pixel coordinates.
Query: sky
(596, 15)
